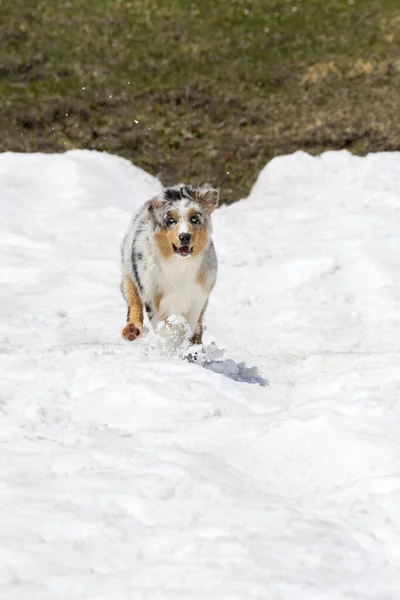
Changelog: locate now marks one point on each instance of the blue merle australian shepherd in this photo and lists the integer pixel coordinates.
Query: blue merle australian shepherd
(169, 265)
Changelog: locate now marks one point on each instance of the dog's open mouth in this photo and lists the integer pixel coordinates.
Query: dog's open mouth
(183, 250)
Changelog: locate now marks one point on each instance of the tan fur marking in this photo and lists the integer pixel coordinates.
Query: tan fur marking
(199, 240)
(165, 238)
(202, 280)
(208, 197)
(197, 337)
(156, 202)
(152, 204)
(173, 214)
(135, 319)
(157, 301)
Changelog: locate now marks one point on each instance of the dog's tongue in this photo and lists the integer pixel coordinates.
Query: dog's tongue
(184, 250)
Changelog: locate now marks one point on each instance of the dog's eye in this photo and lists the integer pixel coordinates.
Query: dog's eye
(194, 220)
(170, 221)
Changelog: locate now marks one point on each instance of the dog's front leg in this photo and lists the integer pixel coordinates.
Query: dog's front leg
(134, 326)
(197, 337)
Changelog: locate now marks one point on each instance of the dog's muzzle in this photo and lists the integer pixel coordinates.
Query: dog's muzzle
(184, 249)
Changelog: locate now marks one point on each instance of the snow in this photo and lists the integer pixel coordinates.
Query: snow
(127, 473)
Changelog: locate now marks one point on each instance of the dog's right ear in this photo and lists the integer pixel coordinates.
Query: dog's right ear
(154, 204)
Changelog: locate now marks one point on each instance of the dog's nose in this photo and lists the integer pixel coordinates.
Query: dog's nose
(184, 238)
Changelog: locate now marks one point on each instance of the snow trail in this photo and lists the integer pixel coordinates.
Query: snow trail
(127, 474)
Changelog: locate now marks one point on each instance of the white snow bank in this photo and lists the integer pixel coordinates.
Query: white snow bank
(129, 475)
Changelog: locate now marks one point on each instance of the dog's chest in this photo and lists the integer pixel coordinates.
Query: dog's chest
(181, 293)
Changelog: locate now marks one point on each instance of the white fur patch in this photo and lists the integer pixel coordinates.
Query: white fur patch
(182, 295)
(183, 227)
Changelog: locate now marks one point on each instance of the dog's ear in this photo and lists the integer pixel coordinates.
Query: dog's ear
(208, 196)
(154, 207)
(155, 203)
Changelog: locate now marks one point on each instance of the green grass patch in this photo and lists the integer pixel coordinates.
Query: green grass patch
(200, 90)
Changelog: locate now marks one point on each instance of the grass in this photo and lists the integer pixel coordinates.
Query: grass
(201, 91)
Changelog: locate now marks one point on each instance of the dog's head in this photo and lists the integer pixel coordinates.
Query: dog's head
(181, 217)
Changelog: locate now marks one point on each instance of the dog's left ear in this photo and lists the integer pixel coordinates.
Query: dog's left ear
(208, 196)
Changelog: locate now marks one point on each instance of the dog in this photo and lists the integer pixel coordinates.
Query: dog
(169, 263)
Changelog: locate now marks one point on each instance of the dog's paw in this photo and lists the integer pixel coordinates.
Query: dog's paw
(131, 332)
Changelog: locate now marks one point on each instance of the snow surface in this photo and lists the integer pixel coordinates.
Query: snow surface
(130, 475)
